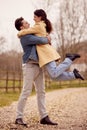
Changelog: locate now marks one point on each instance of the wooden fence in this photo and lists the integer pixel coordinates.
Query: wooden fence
(12, 81)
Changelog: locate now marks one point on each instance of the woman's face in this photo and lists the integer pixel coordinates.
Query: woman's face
(37, 19)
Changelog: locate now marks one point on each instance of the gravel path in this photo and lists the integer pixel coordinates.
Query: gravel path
(68, 107)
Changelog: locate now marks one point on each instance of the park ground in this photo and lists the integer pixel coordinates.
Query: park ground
(67, 107)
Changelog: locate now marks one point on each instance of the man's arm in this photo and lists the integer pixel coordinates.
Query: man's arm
(34, 40)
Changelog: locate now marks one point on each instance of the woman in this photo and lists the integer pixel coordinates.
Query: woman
(46, 53)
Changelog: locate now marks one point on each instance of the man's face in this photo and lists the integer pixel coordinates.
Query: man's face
(25, 25)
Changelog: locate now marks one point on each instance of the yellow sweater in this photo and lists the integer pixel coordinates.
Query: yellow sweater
(46, 52)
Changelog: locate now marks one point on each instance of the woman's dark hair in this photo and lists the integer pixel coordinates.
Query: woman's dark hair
(41, 13)
(18, 23)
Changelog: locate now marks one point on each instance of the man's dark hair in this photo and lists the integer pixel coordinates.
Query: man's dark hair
(18, 23)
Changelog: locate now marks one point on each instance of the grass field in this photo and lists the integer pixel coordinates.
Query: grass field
(7, 98)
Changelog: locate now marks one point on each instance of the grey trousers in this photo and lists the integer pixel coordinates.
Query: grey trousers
(32, 73)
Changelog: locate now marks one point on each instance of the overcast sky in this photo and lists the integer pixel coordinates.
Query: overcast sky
(9, 11)
(12, 9)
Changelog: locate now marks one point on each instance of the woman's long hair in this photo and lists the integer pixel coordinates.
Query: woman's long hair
(41, 13)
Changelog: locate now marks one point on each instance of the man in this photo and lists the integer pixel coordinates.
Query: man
(31, 73)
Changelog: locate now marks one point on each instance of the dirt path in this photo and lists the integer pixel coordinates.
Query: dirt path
(68, 107)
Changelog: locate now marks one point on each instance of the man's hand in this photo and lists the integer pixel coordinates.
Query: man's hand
(49, 39)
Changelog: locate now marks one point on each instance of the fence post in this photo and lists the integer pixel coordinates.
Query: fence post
(6, 82)
(13, 81)
(20, 80)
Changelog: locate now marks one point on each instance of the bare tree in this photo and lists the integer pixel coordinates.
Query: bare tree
(71, 28)
(2, 41)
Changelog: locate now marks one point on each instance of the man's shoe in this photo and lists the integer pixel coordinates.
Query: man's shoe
(73, 56)
(20, 122)
(77, 74)
(47, 121)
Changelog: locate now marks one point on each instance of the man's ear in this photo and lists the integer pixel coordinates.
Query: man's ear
(21, 27)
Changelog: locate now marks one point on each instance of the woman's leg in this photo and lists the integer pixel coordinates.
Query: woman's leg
(55, 71)
(65, 76)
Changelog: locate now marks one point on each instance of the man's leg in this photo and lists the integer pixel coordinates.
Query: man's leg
(28, 76)
(40, 89)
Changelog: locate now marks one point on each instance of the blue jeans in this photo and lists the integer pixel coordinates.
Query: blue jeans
(59, 72)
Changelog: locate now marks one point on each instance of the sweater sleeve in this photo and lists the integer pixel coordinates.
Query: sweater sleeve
(32, 30)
